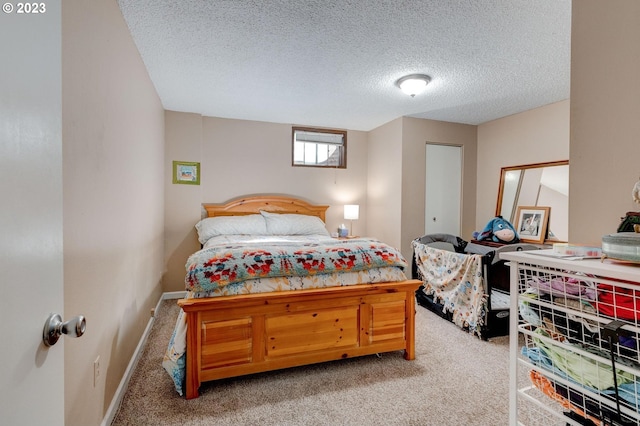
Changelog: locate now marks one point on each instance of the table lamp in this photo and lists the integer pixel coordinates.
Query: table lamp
(351, 212)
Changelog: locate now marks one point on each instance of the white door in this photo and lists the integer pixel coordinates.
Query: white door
(31, 275)
(443, 189)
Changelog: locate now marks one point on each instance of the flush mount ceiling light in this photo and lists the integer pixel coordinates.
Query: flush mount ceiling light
(413, 84)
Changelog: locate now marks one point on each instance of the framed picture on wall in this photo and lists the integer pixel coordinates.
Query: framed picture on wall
(186, 173)
(531, 223)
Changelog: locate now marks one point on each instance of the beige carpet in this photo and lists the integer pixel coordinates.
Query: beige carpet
(456, 379)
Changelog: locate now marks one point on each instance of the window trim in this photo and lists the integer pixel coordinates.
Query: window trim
(343, 157)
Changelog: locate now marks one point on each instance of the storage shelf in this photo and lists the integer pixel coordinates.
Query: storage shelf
(566, 318)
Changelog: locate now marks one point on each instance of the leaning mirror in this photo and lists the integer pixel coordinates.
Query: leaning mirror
(539, 184)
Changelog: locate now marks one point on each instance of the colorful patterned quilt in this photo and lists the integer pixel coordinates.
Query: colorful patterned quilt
(221, 265)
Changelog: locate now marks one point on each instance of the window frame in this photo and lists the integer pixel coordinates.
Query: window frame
(343, 156)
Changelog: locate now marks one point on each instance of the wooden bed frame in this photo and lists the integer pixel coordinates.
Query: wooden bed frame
(235, 335)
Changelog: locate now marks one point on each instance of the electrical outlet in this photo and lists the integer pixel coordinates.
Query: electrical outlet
(96, 371)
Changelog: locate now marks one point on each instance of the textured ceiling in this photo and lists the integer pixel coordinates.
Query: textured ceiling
(334, 63)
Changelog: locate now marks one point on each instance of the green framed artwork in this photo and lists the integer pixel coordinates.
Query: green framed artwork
(186, 173)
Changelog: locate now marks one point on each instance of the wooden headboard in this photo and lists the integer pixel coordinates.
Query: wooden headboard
(268, 203)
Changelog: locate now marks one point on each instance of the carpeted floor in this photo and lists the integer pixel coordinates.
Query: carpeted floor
(456, 379)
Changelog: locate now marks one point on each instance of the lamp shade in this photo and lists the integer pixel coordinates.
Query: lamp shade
(351, 211)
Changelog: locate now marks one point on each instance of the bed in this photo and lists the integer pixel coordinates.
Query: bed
(236, 319)
(465, 282)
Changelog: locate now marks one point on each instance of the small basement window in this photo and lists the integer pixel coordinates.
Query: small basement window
(319, 147)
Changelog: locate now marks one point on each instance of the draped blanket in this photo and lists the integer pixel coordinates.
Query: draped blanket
(456, 281)
(219, 266)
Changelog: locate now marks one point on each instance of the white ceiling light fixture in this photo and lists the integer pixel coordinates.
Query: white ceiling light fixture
(413, 84)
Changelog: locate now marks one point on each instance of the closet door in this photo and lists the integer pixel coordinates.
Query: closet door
(443, 189)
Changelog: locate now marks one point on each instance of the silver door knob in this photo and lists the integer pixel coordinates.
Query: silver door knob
(54, 327)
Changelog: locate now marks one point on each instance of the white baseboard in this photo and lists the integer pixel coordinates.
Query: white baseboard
(173, 295)
(117, 398)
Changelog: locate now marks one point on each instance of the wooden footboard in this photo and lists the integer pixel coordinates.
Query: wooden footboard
(236, 335)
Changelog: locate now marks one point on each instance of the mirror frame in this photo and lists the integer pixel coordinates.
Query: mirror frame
(504, 170)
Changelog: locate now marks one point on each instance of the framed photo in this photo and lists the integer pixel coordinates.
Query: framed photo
(532, 223)
(186, 173)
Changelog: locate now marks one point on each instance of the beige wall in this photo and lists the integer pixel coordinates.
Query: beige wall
(396, 177)
(183, 142)
(384, 183)
(534, 136)
(416, 133)
(113, 202)
(241, 157)
(605, 106)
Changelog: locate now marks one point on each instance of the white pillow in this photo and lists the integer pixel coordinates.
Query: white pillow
(252, 224)
(294, 224)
